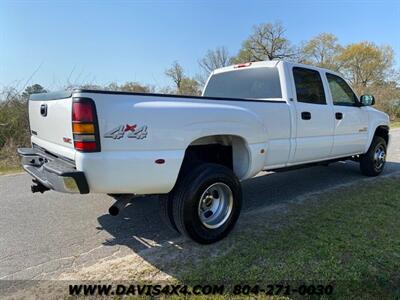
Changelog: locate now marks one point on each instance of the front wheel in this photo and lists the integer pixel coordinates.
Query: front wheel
(373, 162)
(207, 203)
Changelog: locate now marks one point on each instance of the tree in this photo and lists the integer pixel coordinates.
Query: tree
(184, 85)
(366, 63)
(267, 42)
(189, 86)
(322, 51)
(387, 97)
(33, 89)
(166, 90)
(214, 59)
(176, 73)
(136, 88)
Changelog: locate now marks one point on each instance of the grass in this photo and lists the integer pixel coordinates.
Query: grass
(10, 170)
(395, 124)
(10, 162)
(350, 237)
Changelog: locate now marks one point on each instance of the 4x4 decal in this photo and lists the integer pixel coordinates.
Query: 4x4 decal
(132, 132)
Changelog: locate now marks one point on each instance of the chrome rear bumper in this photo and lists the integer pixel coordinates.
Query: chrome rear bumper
(52, 172)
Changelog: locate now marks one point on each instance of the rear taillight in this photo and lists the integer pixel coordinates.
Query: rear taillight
(84, 125)
(82, 112)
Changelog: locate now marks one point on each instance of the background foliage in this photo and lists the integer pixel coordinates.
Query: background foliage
(367, 66)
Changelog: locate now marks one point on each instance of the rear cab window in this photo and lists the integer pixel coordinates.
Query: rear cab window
(252, 83)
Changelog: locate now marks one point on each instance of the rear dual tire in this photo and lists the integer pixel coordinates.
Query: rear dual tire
(205, 203)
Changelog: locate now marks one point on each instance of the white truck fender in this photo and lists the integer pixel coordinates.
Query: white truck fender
(245, 126)
(376, 120)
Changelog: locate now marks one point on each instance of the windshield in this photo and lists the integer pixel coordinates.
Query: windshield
(255, 83)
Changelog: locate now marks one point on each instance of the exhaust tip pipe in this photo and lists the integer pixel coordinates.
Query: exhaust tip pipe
(113, 210)
(120, 204)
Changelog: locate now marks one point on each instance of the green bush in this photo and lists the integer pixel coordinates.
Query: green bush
(14, 126)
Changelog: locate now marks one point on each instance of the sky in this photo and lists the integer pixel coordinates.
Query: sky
(99, 42)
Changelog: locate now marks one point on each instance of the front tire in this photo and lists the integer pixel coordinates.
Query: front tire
(373, 162)
(207, 203)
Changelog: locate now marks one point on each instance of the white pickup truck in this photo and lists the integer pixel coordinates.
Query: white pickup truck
(194, 151)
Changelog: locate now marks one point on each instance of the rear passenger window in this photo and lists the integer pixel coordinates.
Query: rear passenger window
(309, 87)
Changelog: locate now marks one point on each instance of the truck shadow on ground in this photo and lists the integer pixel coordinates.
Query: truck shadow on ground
(139, 226)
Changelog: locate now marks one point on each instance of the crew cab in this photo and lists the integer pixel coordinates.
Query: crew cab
(194, 151)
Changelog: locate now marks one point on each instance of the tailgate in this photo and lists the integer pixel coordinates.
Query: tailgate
(50, 122)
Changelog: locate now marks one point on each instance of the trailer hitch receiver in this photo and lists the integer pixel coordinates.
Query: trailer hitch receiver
(38, 187)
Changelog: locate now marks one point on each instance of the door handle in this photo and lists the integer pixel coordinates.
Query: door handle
(306, 115)
(339, 115)
(43, 110)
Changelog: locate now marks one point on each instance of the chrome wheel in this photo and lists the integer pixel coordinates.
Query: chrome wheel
(215, 205)
(379, 157)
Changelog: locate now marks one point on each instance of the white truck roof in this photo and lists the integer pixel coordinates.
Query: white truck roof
(270, 64)
(249, 65)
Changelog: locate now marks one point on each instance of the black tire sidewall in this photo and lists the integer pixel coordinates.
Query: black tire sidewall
(166, 211)
(367, 163)
(203, 177)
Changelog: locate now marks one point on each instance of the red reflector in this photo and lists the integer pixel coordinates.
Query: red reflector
(85, 146)
(82, 112)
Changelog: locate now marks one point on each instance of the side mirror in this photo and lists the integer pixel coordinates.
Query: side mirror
(367, 100)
